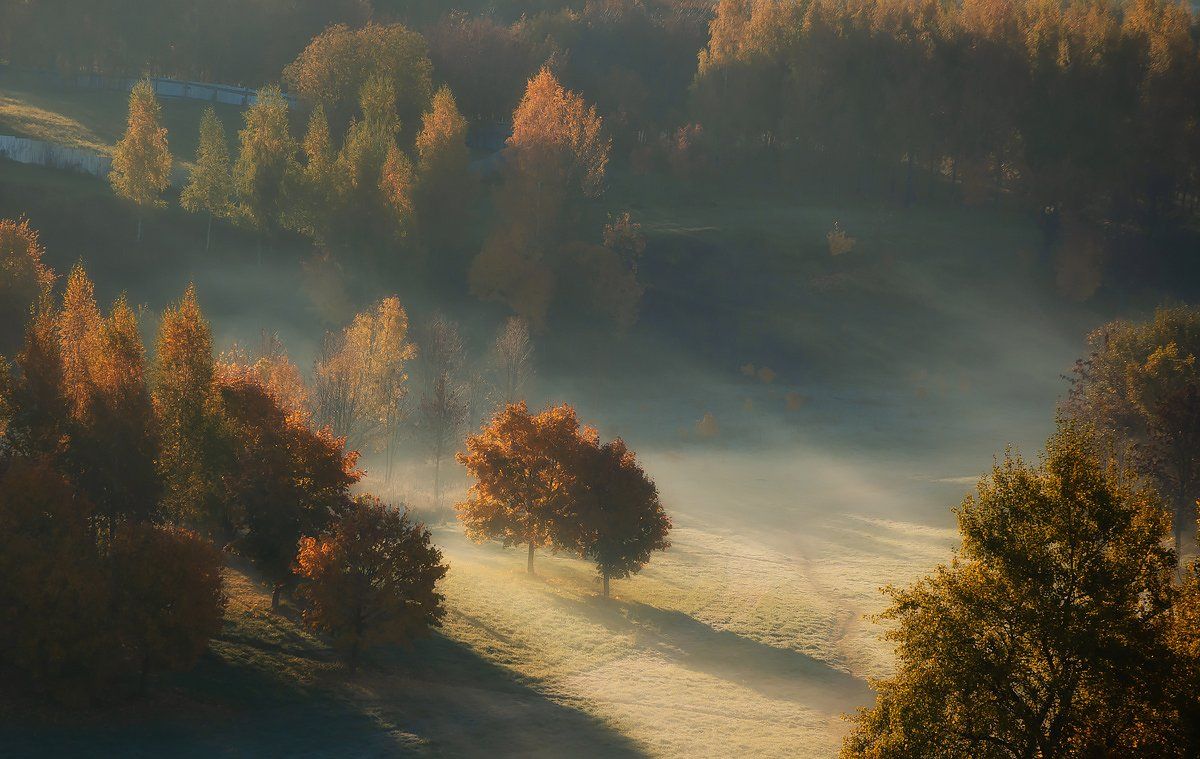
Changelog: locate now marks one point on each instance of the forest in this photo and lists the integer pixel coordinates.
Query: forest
(609, 378)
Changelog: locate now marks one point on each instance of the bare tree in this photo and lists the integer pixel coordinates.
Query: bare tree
(511, 362)
(445, 396)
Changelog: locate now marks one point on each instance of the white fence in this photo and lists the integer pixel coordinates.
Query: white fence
(37, 152)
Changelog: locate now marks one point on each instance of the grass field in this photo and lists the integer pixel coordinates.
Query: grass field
(853, 400)
(95, 119)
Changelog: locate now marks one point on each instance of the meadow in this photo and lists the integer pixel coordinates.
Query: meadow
(854, 399)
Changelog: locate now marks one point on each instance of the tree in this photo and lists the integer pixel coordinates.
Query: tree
(523, 467)
(265, 152)
(1141, 386)
(360, 378)
(53, 591)
(112, 444)
(619, 520)
(188, 413)
(511, 361)
(141, 166)
(557, 158)
(315, 189)
(558, 151)
(285, 480)
(210, 183)
(371, 579)
(1044, 635)
(446, 187)
(167, 596)
(445, 395)
(23, 280)
(369, 148)
(333, 68)
(396, 186)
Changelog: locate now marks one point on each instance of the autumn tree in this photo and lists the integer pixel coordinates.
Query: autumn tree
(511, 362)
(23, 279)
(1044, 635)
(332, 70)
(112, 446)
(141, 165)
(37, 406)
(266, 149)
(619, 521)
(210, 183)
(360, 378)
(167, 596)
(371, 579)
(188, 413)
(1141, 385)
(397, 185)
(557, 157)
(53, 591)
(314, 188)
(445, 188)
(523, 467)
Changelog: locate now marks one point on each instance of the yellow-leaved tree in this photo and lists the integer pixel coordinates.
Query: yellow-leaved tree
(141, 164)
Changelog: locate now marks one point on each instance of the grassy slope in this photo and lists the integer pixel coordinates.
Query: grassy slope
(95, 119)
(899, 368)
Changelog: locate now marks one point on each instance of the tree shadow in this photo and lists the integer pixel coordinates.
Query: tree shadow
(780, 673)
(438, 698)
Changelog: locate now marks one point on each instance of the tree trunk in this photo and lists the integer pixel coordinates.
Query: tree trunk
(139, 231)
(208, 233)
(437, 479)
(529, 565)
(275, 596)
(606, 586)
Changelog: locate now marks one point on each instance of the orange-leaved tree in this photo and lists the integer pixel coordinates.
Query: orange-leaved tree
(23, 279)
(284, 479)
(523, 466)
(372, 578)
(167, 597)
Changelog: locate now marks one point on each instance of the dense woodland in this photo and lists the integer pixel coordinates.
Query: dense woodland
(1068, 622)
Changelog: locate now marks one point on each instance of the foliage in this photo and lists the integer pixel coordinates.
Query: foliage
(1140, 385)
(620, 521)
(285, 479)
(446, 187)
(141, 167)
(210, 183)
(1044, 635)
(23, 279)
(371, 579)
(53, 592)
(359, 383)
(337, 64)
(167, 596)
(188, 413)
(266, 150)
(523, 467)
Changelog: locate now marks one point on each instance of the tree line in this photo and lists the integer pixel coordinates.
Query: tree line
(1066, 625)
(126, 473)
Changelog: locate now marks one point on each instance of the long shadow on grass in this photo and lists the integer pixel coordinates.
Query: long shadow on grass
(438, 699)
(465, 705)
(775, 672)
